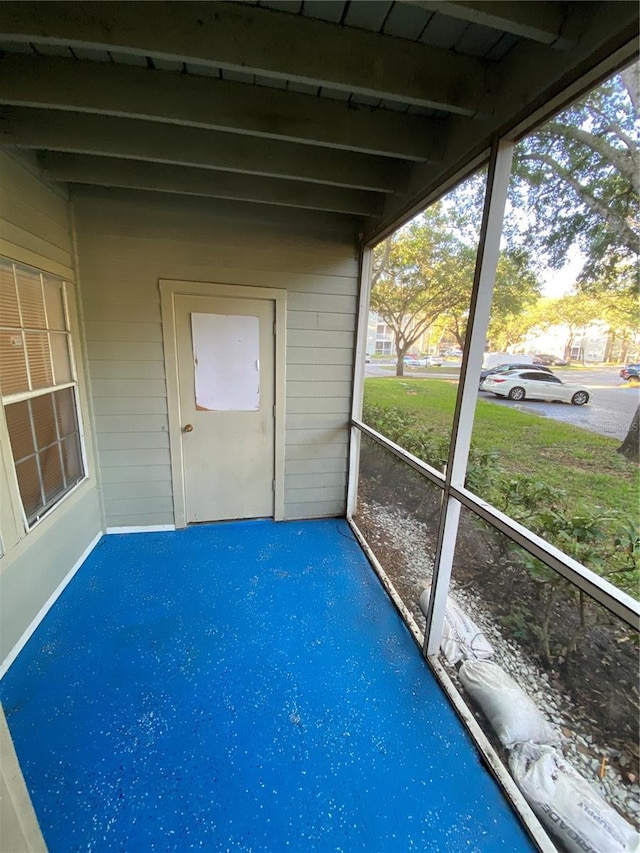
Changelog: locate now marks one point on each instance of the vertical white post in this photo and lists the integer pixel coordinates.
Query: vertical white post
(479, 314)
(358, 378)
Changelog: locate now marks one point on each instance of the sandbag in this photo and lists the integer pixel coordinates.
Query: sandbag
(514, 717)
(461, 637)
(567, 805)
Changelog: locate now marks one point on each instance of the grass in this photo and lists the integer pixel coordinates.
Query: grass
(582, 464)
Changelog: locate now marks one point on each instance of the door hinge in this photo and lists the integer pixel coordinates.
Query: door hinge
(273, 485)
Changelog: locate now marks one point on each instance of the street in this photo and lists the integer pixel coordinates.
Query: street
(608, 412)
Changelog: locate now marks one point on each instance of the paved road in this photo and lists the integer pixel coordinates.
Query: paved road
(609, 412)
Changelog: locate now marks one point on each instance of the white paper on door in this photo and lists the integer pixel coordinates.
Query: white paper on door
(226, 359)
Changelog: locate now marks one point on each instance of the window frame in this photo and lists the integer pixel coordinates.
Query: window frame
(15, 515)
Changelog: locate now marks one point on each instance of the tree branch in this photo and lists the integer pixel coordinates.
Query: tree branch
(617, 225)
(625, 161)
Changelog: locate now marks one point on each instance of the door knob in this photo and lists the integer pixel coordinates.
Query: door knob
(187, 428)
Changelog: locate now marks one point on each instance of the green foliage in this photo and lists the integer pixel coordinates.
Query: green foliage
(430, 445)
(417, 274)
(577, 178)
(573, 519)
(423, 273)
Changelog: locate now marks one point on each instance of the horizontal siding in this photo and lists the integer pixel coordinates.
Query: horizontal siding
(258, 257)
(133, 441)
(319, 373)
(32, 243)
(306, 421)
(125, 332)
(127, 369)
(136, 490)
(138, 457)
(130, 507)
(26, 217)
(322, 303)
(318, 405)
(296, 467)
(136, 474)
(126, 243)
(130, 406)
(309, 481)
(311, 494)
(23, 187)
(317, 389)
(35, 230)
(33, 570)
(319, 453)
(311, 437)
(317, 321)
(117, 351)
(112, 311)
(144, 520)
(319, 338)
(121, 424)
(318, 509)
(129, 388)
(335, 355)
(33, 218)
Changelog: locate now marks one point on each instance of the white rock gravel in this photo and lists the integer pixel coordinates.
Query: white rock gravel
(409, 538)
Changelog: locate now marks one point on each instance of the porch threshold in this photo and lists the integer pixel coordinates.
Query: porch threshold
(243, 686)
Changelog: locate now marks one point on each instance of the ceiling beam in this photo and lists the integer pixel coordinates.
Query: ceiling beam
(536, 21)
(112, 172)
(245, 38)
(84, 133)
(175, 98)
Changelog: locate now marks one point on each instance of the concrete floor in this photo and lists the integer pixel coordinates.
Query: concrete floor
(242, 687)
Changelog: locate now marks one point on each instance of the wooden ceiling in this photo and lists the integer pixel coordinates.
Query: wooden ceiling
(357, 108)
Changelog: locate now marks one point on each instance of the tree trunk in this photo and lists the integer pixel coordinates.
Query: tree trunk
(400, 361)
(567, 348)
(608, 351)
(630, 447)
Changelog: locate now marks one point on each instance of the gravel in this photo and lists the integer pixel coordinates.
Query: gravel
(400, 543)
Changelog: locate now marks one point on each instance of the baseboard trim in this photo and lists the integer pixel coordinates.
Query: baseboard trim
(149, 528)
(24, 639)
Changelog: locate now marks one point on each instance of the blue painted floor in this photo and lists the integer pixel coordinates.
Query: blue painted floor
(242, 687)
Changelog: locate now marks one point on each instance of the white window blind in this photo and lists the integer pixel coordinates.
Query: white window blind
(38, 388)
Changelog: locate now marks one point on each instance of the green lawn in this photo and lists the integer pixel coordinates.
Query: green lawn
(581, 463)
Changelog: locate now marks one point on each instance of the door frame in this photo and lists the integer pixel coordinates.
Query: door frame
(169, 289)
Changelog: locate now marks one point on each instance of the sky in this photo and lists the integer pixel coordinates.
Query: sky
(558, 283)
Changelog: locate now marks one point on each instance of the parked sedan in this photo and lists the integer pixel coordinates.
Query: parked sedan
(631, 372)
(508, 368)
(543, 358)
(535, 385)
(429, 361)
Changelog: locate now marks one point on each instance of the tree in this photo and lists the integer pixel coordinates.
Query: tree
(515, 290)
(629, 447)
(620, 312)
(576, 311)
(416, 277)
(578, 179)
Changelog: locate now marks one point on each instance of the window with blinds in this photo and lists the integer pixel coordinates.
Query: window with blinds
(38, 387)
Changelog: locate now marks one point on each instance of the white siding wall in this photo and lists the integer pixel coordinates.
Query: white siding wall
(126, 243)
(35, 229)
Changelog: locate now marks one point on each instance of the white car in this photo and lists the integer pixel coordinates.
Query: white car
(535, 385)
(429, 361)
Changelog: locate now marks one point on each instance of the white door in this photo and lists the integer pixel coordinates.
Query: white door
(225, 355)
